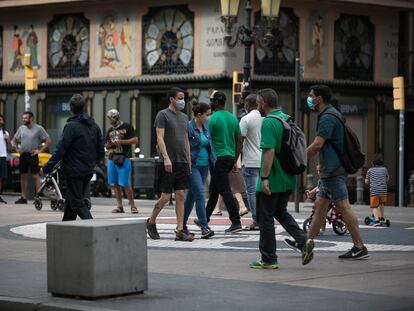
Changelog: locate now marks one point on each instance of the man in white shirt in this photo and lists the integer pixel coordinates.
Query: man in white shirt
(250, 126)
(4, 142)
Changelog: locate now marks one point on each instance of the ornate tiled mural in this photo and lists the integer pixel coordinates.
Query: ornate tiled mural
(116, 43)
(317, 43)
(22, 39)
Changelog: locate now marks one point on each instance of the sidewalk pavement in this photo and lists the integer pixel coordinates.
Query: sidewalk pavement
(216, 279)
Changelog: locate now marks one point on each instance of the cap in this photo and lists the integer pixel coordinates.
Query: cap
(219, 96)
(113, 114)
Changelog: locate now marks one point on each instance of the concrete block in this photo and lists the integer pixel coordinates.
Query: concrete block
(97, 257)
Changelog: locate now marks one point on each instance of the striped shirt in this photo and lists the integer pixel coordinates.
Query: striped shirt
(377, 179)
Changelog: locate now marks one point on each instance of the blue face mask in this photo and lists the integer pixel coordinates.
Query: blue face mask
(310, 103)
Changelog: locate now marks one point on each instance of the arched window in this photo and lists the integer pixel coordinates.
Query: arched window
(278, 58)
(354, 48)
(168, 43)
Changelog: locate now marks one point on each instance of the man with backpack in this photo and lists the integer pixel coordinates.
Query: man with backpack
(332, 143)
(275, 184)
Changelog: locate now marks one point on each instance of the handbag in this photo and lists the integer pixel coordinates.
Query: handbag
(118, 159)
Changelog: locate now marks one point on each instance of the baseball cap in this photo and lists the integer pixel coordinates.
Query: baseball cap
(219, 96)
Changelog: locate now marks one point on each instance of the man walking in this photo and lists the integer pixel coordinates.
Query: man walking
(33, 140)
(4, 146)
(80, 148)
(119, 139)
(274, 185)
(330, 139)
(172, 138)
(250, 126)
(225, 134)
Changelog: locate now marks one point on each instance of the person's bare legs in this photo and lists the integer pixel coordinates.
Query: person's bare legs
(179, 208)
(242, 207)
(319, 216)
(217, 209)
(382, 210)
(36, 180)
(23, 185)
(162, 201)
(351, 222)
(130, 195)
(118, 196)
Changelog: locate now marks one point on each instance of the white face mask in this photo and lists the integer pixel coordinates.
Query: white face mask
(180, 104)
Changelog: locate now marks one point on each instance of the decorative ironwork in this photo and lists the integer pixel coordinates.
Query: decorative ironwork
(278, 56)
(1, 52)
(168, 43)
(354, 48)
(68, 46)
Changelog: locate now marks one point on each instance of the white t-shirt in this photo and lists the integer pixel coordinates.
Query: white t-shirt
(250, 126)
(3, 145)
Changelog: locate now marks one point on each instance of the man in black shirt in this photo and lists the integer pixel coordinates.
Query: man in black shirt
(119, 139)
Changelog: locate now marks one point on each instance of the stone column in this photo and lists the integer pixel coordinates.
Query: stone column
(133, 97)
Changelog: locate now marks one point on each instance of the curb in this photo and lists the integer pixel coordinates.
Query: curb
(25, 304)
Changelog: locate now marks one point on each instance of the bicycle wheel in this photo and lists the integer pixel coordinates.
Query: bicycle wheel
(339, 227)
(306, 224)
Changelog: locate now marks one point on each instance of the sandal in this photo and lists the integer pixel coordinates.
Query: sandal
(134, 210)
(244, 213)
(119, 209)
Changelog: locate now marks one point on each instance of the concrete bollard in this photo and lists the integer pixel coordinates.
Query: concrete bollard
(360, 190)
(411, 191)
(97, 257)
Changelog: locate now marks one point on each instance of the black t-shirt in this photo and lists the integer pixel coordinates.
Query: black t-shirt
(124, 131)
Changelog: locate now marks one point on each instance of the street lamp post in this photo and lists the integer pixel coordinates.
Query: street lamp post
(245, 33)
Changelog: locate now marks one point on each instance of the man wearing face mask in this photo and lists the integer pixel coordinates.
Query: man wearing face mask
(172, 138)
(119, 139)
(274, 186)
(79, 148)
(330, 139)
(227, 141)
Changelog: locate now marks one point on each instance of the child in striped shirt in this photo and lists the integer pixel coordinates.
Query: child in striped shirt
(377, 178)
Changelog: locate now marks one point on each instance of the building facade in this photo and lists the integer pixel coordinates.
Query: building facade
(126, 54)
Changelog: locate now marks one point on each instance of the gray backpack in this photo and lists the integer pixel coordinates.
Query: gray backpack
(292, 156)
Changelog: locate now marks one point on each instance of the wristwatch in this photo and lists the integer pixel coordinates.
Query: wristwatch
(265, 178)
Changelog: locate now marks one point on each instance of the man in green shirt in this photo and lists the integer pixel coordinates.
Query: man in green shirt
(227, 141)
(274, 185)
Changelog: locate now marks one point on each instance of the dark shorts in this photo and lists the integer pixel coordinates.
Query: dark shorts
(179, 179)
(3, 167)
(28, 161)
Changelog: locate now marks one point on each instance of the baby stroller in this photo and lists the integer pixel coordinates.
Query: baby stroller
(50, 189)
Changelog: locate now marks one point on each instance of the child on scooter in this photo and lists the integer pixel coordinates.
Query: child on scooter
(377, 178)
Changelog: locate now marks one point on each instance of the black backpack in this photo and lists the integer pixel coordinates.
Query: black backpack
(352, 158)
(292, 156)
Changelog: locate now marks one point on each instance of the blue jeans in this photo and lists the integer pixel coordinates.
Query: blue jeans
(251, 176)
(196, 193)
